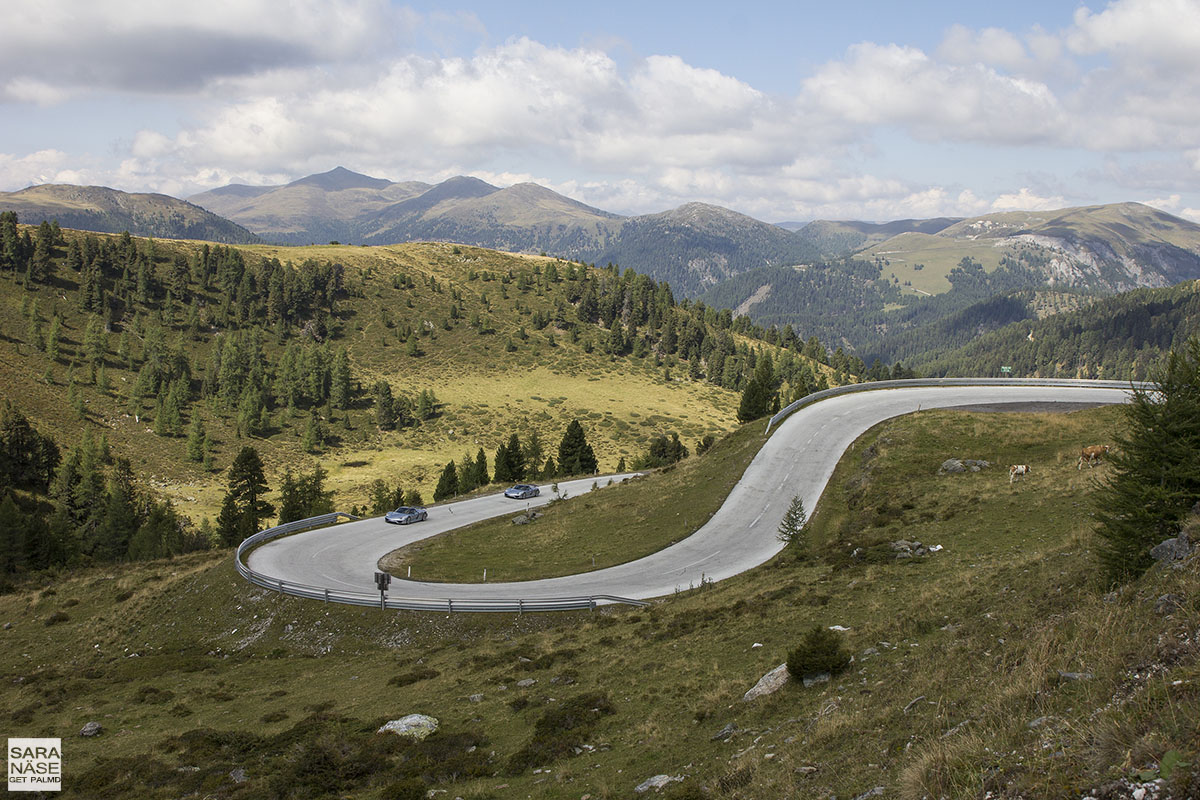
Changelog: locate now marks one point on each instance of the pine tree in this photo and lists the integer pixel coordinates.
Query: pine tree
(380, 497)
(575, 455)
(313, 436)
(248, 489)
(1155, 469)
(479, 476)
(196, 439)
(339, 380)
(385, 407)
(466, 474)
(791, 528)
(534, 452)
(447, 486)
(501, 473)
(292, 505)
(516, 459)
(53, 338)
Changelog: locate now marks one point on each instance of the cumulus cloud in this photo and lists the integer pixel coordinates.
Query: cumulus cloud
(1165, 32)
(1026, 200)
(994, 46)
(140, 46)
(273, 96)
(894, 85)
(43, 166)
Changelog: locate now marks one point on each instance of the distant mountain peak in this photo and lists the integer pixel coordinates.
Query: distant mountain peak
(339, 179)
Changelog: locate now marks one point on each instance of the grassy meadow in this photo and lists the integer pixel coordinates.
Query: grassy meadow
(997, 665)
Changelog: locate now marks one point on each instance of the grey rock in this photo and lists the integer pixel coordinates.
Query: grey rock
(656, 783)
(952, 466)
(870, 651)
(878, 790)
(813, 680)
(1168, 604)
(91, 729)
(725, 733)
(476, 698)
(7, 626)
(1037, 723)
(237, 775)
(1175, 549)
(770, 683)
(1075, 676)
(525, 683)
(414, 726)
(520, 519)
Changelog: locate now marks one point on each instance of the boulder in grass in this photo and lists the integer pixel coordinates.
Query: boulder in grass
(414, 726)
(770, 683)
(656, 783)
(91, 729)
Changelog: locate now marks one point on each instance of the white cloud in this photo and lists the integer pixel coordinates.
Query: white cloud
(993, 46)
(893, 85)
(1026, 200)
(44, 166)
(146, 46)
(338, 83)
(1170, 203)
(1163, 32)
(1192, 214)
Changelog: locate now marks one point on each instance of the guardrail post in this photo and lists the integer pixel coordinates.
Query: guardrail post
(449, 605)
(326, 597)
(520, 606)
(281, 586)
(591, 604)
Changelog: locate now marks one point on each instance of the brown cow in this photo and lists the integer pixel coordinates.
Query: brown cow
(1017, 470)
(1092, 454)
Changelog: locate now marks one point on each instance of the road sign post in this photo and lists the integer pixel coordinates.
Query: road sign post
(383, 580)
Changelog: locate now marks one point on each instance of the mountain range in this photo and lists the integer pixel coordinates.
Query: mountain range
(693, 247)
(104, 210)
(700, 249)
(697, 247)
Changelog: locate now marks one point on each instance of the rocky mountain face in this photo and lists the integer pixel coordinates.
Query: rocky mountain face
(1112, 248)
(98, 208)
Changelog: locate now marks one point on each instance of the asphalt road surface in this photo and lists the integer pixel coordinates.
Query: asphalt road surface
(797, 459)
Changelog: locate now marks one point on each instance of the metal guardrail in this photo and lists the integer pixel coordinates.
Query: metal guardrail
(921, 382)
(448, 605)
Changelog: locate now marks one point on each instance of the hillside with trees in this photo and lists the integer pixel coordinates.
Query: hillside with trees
(1122, 337)
(347, 368)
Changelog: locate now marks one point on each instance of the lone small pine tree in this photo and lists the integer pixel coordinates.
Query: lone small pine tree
(791, 528)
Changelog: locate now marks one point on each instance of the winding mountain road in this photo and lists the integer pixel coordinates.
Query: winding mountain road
(798, 459)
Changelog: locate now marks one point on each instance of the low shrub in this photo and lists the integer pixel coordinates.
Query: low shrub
(413, 675)
(821, 650)
(560, 729)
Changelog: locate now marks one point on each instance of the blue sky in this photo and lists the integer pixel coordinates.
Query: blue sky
(786, 111)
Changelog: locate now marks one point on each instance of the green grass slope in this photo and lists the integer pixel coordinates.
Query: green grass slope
(995, 665)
